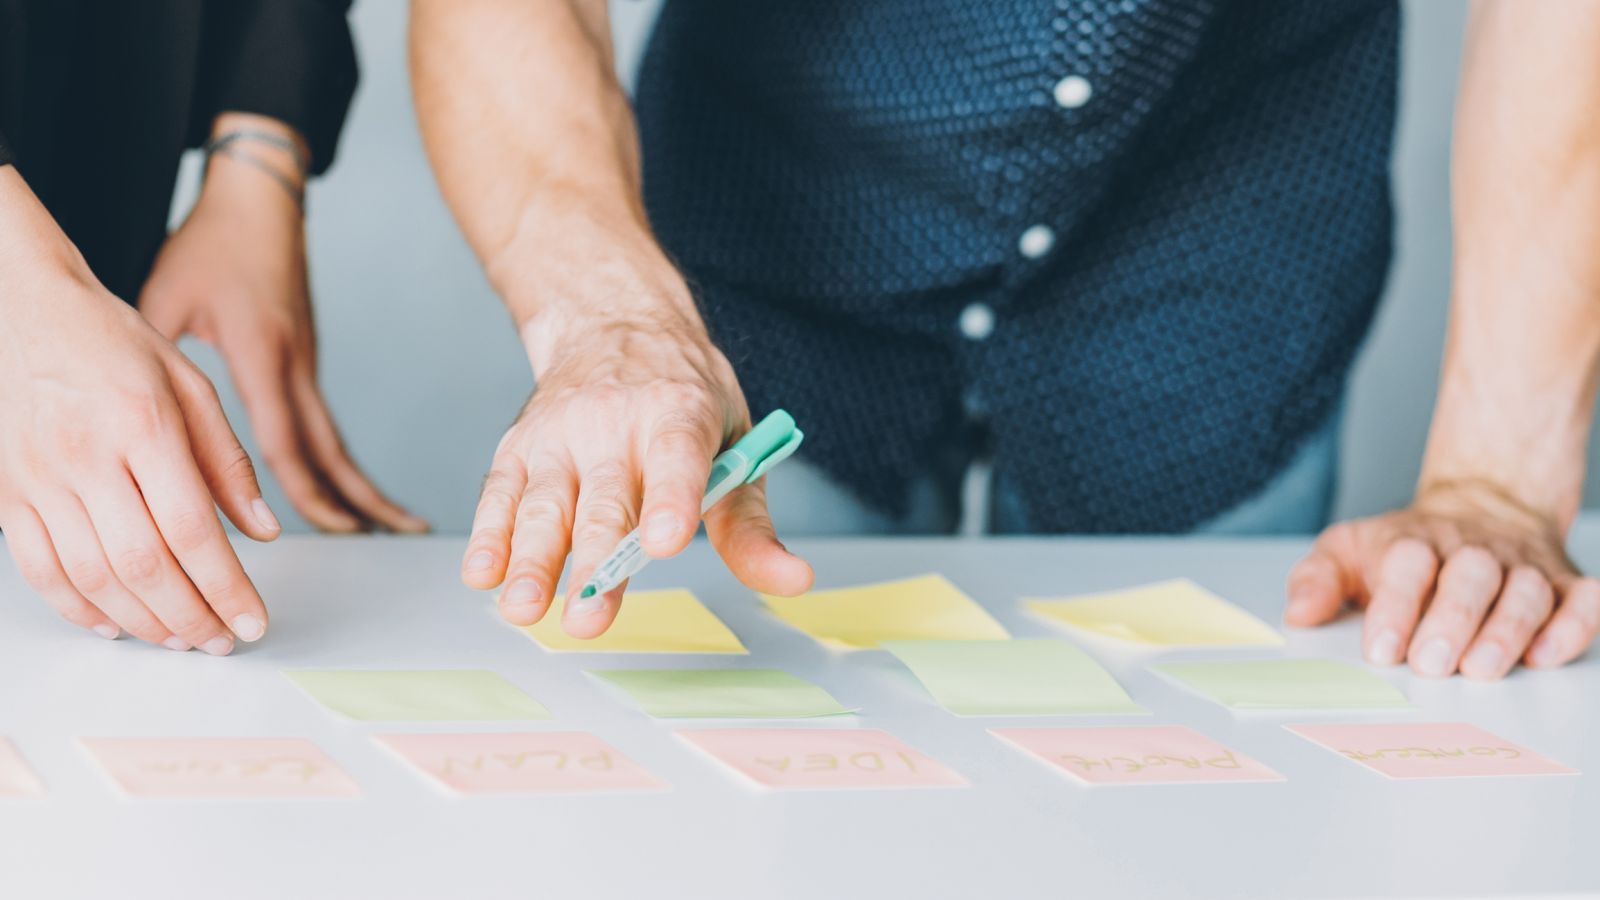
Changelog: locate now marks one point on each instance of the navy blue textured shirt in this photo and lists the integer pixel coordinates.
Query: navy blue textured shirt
(1140, 240)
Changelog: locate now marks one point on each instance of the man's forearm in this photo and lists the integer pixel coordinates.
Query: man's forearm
(1520, 371)
(535, 149)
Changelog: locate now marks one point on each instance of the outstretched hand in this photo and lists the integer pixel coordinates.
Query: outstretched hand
(1465, 579)
(621, 430)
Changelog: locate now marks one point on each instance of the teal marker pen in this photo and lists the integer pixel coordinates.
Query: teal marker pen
(773, 440)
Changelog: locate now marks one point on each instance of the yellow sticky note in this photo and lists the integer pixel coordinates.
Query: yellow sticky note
(1170, 613)
(928, 608)
(672, 621)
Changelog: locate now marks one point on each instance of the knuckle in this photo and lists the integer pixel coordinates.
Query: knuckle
(608, 482)
(1528, 588)
(1475, 561)
(685, 426)
(193, 622)
(689, 399)
(602, 523)
(38, 572)
(541, 509)
(144, 413)
(89, 576)
(1410, 560)
(236, 465)
(540, 571)
(1452, 615)
(489, 539)
(499, 484)
(138, 567)
(545, 481)
(190, 530)
(1520, 617)
(222, 592)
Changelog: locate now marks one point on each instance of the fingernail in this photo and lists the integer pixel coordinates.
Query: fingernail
(482, 561)
(248, 627)
(176, 643)
(521, 593)
(586, 606)
(221, 645)
(1385, 648)
(264, 516)
(1433, 657)
(662, 528)
(109, 632)
(1486, 660)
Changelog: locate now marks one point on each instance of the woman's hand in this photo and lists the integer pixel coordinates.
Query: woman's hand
(113, 447)
(1465, 578)
(234, 276)
(621, 429)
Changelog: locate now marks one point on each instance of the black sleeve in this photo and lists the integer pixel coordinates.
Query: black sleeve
(289, 59)
(6, 156)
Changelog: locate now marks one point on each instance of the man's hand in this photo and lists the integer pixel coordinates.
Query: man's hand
(234, 276)
(113, 447)
(1465, 578)
(627, 419)
(632, 399)
(1473, 575)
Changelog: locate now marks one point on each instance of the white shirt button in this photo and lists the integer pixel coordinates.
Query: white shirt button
(1036, 241)
(977, 321)
(1073, 91)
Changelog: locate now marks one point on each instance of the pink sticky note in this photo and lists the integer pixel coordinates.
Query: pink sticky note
(16, 778)
(816, 758)
(520, 763)
(1146, 754)
(1430, 750)
(220, 768)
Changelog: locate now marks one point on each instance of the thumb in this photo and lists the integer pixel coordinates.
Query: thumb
(227, 469)
(1329, 575)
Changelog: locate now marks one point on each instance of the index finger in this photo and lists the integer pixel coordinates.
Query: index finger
(677, 464)
(185, 514)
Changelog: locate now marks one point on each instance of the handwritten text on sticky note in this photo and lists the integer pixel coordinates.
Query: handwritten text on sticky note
(520, 763)
(1429, 750)
(221, 768)
(1155, 754)
(802, 758)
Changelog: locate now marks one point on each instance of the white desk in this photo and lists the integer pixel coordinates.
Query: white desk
(1333, 829)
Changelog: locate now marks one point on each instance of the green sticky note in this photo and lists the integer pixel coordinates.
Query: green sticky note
(1285, 684)
(428, 695)
(1022, 677)
(722, 693)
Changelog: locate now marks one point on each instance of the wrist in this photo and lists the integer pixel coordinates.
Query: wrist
(559, 334)
(575, 279)
(240, 185)
(253, 155)
(1517, 388)
(35, 250)
(1529, 453)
